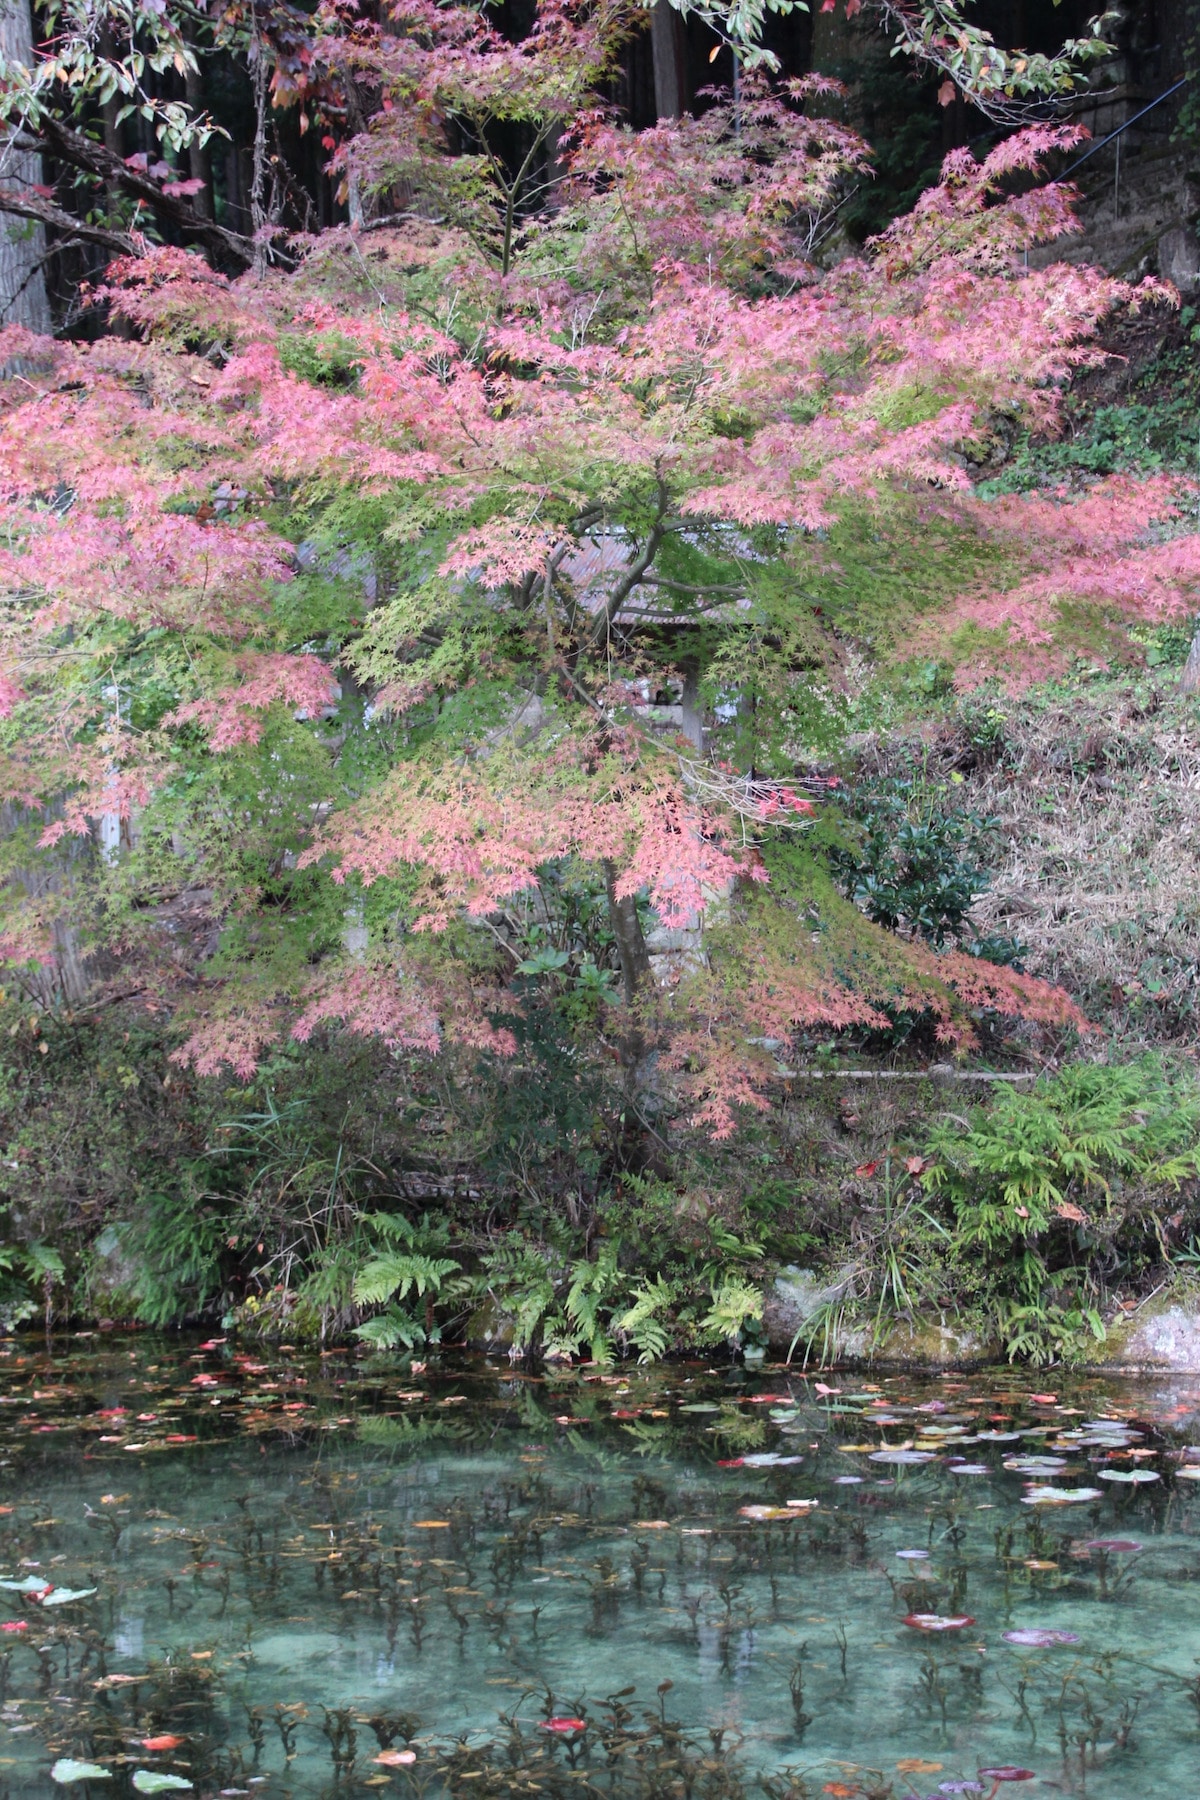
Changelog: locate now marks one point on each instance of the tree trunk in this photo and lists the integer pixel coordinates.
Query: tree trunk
(627, 930)
(199, 155)
(670, 70)
(23, 298)
(1189, 681)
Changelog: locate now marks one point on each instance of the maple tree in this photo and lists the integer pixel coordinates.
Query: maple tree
(385, 599)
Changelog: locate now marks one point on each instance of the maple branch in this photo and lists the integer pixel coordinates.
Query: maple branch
(60, 141)
(31, 206)
(610, 612)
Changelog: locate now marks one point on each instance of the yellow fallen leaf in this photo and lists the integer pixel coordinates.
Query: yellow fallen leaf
(914, 1765)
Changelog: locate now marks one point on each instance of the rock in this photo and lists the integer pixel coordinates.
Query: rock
(793, 1307)
(491, 1330)
(1168, 1337)
(1179, 259)
(932, 1344)
(796, 1299)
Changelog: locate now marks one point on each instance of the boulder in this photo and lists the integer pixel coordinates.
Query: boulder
(793, 1306)
(932, 1344)
(1179, 259)
(1166, 1337)
(794, 1302)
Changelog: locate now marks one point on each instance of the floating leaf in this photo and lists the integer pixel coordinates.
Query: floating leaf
(63, 1596)
(1055, 1496)
(913, 1555)
(965, 1468)
(29, 1584)
(1036, 1637)
(66, 1770)
(166, 1742)
(1008, 1772)
(1130, 1477)
(937, 1622)
(155, 1781)
(395, 1759)
(563, 1725)
(902, 1458)
(1114, 1546)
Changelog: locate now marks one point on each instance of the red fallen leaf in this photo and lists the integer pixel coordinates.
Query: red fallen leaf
(213, 1343)
(563, 1724)
(1044, 1399)
(112, 1412)
(165, 1742)
(1022, 1212)
(766, 1399)
(820, 1387)
(937, 1622)
(1066, 1209)
(866, 1170)
(1008, 1772)
(180, 1437)
(914, 1164)
(841, 1790)
(566, 1419)
(395, 1759)
(732, 1462)
(15, 1625)
(205, 1381)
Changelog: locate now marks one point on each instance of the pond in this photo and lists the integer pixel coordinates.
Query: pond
(236, 1571)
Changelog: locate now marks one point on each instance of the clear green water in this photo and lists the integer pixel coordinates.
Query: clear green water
(305, 1561)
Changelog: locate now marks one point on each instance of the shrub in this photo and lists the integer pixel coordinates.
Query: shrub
(1051, 1185)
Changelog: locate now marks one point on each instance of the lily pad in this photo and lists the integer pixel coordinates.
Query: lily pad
(29, 1584)
(937, 1621)
(902, 1458)
(67, 1769)
(154, 1781)
(1130, 1477)
(1056, 1496)
(1037, 1637)
(63, 1596)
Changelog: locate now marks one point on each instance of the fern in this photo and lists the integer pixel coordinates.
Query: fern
(734, 1303)
(392, 1330)
(650, 1335)
(592, 1285)
(397, 1274)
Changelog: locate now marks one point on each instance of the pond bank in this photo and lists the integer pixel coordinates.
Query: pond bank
(806, 1309)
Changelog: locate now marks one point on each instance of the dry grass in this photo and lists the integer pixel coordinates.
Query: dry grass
(1096, 850)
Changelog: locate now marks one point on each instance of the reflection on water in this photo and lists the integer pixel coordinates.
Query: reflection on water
(322, 1576)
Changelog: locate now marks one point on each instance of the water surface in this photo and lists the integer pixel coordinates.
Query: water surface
(303, 1564)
